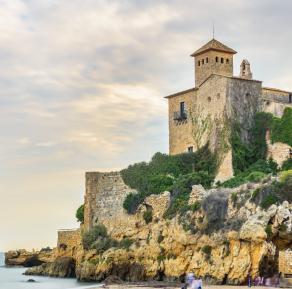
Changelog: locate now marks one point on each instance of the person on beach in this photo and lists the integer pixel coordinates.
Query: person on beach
(197, 284)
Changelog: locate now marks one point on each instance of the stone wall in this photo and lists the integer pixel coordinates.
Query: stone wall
(180, 131)
(68, 242)
(285, 262)
(104, 197)
(278, 151)
(203, 71)
(275, 101)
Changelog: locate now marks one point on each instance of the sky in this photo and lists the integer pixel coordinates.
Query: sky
(82, 85)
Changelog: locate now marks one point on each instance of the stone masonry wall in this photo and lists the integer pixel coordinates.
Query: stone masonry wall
(68, 242)
(203, 71)
(180, 131)
(104, 197)
(275, 101)
(278, 151)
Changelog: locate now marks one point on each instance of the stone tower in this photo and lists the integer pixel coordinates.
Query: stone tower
(213, 58)
(245, 71)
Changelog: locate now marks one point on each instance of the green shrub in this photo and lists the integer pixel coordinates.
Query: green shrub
(132, 201)
(168, 173)
(284, 188)
(91, 236)
(269, 200)
(126, 243)
(80, 214)
(195, 206)
(287, 165)
(160, 184)
(282, 128)
(207, 250)
(255, 176)
(148, 216)
(283, 228)
(256, 171)
(269, 231)
(234, 197)
(160, 238)
(161, 258)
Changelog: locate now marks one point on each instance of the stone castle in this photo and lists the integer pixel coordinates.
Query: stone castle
(205, 113)
(164, 248)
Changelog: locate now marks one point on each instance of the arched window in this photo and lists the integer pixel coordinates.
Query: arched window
(209, 99)
(222, 60)
(199, 63)
(216, 58)
(203, 61)
(207, 60)
(218, 95)
(227, 60)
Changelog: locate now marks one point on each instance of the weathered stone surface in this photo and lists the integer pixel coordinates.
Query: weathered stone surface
(28, 259)
(61, 267)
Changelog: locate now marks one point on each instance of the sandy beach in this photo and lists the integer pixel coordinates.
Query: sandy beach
(164, 285)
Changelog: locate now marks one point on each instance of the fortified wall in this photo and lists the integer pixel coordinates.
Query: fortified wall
(68, 242)
(104, 197)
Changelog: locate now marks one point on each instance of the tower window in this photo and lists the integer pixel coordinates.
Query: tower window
(209, 99)
(216, 58)
(218, 95)
(203, 61)
(190, 149)
(227, 60)
(199, 63)
(222, 60)
(207, 60)
(290, 98)
(182, 109)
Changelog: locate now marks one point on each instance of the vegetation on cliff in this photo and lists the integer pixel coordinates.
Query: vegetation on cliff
(98, 239)
(245, 155)
(176, 174)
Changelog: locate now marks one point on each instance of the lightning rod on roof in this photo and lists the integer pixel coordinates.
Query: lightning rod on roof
(213, 29)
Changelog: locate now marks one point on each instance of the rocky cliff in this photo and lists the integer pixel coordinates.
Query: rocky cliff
(223, 236)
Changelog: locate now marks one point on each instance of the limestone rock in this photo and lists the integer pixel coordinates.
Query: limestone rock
(28, 259)
(61, 267)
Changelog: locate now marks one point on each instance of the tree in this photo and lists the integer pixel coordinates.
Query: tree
(80, 214)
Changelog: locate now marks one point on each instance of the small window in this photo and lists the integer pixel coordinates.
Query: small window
(267, 103)
(203, 61)
(182, 109)
(218, 95)
(190, 149)
(290, 98)
(199, 63)
(227, 60)
(216, 59)
(222, 60)
(209, 99)
(207, 60)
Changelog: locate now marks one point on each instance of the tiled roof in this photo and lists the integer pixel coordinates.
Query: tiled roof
(214, 45)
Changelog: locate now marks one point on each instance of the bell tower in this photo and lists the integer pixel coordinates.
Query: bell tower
(213, 58)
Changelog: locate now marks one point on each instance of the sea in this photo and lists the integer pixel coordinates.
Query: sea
(13, 278)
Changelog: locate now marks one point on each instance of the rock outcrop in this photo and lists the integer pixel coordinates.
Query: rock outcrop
(60, 267)
(224, 240)
(28, 259)
(227, 239)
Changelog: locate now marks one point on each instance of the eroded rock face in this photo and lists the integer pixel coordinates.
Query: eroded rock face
(223, 242)
(238, 245)
(28, 259)
(60, 267)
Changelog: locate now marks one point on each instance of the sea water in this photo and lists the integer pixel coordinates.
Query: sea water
(13, 278)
